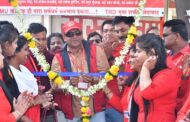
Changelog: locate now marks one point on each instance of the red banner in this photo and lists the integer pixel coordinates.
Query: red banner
(84, 7)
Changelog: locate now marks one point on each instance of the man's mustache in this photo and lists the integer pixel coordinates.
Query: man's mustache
(122, 37)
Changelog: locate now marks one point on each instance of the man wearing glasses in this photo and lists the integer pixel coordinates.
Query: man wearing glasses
(80, 56)
(175, 37)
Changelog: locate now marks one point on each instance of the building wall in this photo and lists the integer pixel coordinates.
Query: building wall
(89, 23)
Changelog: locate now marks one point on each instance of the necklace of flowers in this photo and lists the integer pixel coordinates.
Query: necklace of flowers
(83, 94)
(110, 74)
(57, 79)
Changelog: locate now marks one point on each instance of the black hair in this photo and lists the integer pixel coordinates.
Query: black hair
(127, 20)
(59, 35)
(148, 42)
(20, 43)
(106, 22)
(178, 26)
(4, 22)
(8, 33)
(93, 34)
(36, 28)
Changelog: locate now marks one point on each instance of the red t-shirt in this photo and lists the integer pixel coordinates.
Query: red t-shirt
(122, 103)
(161, 94)
(182, 113)
(5, 109)
(174, 62)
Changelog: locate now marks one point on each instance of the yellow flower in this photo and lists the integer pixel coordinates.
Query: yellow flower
(84, 115)
(115, 68)
(52, 75)
(131, 34)
(28, 36)
(32, 44)
(85, 120)
(113, 72)
(14, 3)
(108, 77)
(133, 30)
(58, 81)
(84, 109)
(85, 99)
(130, 39)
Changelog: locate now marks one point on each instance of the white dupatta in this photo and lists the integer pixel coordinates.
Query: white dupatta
(25, 80)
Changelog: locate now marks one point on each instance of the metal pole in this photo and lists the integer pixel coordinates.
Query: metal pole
(166, 8)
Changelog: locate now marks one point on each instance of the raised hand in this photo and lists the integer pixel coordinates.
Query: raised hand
(40, 99)
(121, 80)
(86, 78)
(150, 62)
(49, 105)
(74, 81)
(22, 103)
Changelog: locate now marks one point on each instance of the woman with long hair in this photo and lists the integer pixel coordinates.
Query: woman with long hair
(152, 95)
(25, 80)
(11, 109)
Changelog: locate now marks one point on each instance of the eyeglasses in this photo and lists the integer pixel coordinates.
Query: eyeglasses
(165, 35)
(71, 34)
(95, 40)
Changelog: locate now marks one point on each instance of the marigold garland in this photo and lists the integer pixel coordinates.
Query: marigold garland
(140, 11)
(13, 3)
(84, 94)
(55, 78)
(86, 112)
(30, 39)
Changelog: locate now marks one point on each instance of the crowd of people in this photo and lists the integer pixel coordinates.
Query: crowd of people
(157, 89)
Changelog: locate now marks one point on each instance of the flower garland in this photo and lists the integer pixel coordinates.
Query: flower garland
(140, 10)
(86, 111)
(110, 74)
(20, 17)
(55, 78)
(13, 3)
(84, 94)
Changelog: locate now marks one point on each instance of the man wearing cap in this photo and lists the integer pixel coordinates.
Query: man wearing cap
(80, 56)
